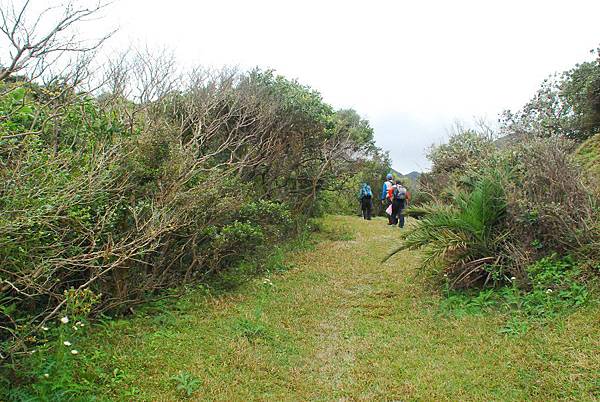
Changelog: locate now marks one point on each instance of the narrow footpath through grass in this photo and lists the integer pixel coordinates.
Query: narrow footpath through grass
(339, 325)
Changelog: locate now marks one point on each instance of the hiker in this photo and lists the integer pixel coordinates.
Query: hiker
(400, 197)
(366, 201)
(386, 196)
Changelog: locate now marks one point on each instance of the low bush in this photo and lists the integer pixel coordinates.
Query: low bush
(550, 206)
(555, 288)
(275, 218)
(547, 207)
(50, 371)
(494, 232)
(466, 150)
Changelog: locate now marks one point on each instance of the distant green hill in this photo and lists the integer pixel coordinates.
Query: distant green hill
(412, 177)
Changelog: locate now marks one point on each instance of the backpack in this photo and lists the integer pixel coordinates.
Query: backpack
(368, 192)
(400, 193)
(390, 190)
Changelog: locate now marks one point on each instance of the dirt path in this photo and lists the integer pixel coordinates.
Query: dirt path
(341, 326)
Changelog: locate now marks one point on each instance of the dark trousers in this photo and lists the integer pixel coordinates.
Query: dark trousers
(386, 204)
(398, 212)
(366, 205)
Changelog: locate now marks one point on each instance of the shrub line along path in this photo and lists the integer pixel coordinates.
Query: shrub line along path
(339, 325)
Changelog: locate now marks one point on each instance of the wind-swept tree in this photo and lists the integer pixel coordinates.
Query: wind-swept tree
(33, 41)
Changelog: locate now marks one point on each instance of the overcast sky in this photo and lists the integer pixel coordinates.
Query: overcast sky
(411, 68)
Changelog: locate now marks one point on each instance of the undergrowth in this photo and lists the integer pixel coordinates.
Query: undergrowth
(67, 367)
(555, 289)
(337, 319)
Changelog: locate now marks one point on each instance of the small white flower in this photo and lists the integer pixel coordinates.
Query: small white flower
(74, 351)
(46, 375)
(64, 320)
(75, 328)
(549, 291)
(513, 278)
(79, 323)
(67, 343)
(45, 328)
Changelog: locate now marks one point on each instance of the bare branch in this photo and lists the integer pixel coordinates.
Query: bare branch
(33, 47)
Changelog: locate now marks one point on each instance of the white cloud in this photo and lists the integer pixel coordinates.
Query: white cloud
(410, 67)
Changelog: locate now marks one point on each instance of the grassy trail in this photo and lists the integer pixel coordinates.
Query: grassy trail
(341, 326)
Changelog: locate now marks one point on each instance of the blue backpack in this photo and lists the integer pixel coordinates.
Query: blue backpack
(367, 191)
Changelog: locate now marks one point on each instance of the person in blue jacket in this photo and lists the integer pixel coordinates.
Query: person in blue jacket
(386, 198)
(366, 201)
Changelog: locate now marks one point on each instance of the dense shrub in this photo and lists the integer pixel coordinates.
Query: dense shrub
(274, 217)
(466, 150)
(157, 179)
(551, 206)
(498, 216)
(549, 187)
(120, 198)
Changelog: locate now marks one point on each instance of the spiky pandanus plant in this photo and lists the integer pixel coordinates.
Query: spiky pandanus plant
(463, 237)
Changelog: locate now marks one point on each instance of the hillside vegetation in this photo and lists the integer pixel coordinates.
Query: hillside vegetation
(518, 218)
(165, 234)
(329, 322)
(156, 179)
(106, 201)
(588, 154)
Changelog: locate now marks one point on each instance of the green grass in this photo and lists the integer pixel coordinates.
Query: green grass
(588, 154)
(332, 323)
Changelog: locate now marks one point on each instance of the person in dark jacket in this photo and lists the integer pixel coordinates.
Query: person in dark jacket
(399, 201)
(366, 201)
